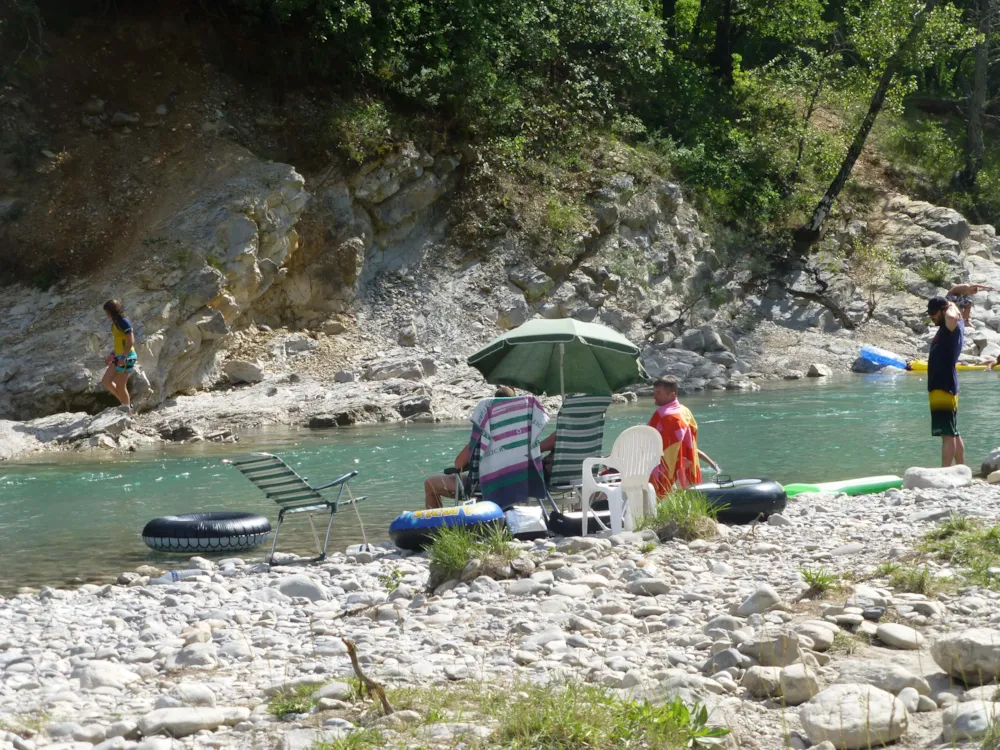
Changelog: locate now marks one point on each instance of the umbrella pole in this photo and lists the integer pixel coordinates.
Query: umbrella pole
(562, 371)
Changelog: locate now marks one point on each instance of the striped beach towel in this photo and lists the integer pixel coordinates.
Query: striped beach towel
(506, 433)
(579, 436)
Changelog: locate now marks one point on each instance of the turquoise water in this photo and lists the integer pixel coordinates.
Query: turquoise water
(64, 516)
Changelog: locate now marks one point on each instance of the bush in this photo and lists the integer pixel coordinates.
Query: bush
(819, 581)
(454, 547)
(966, 543)
(683, 514)
(293, 700)
(934, 272)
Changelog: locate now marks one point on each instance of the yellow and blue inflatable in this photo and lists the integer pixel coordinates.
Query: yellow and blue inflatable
(414, 529)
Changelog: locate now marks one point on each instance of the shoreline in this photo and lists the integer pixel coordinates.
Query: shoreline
(705, 620)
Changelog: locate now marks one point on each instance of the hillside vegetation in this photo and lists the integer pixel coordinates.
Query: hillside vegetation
(770, 113)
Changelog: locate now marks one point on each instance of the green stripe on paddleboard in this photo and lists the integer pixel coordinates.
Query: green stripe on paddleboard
(863, 486)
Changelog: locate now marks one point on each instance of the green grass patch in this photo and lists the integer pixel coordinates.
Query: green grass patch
(453, 548)
(915, 580)
(968, 544)
(847, 643)
(934, 271)
(569, 716)
(683, 514)
(647, 547)
(819, 581)
(293, 700)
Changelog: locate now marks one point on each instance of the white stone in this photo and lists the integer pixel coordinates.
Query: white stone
(194, 694)
(762, 682)
(648, 587)
(302, 587)
(854, 717)
(968, 721)
(180, 722)
(972, 656)
(899, 636)
(101, 674)
(798, 684)
(759, 601)
(241, 371)
(910, 698)
(817, 370)
(942, 478)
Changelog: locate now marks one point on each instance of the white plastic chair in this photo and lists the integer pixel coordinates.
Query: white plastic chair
(635, 454)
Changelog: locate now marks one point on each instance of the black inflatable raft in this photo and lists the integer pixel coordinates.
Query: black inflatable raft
(744, 500)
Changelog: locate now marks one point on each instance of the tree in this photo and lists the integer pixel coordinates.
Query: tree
(975, 150)
(875, 271)
(806, 235)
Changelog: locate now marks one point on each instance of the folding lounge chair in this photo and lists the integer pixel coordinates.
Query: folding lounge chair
(279, 482)
(579, 435)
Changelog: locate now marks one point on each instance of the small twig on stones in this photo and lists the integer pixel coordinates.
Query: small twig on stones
(369, 685)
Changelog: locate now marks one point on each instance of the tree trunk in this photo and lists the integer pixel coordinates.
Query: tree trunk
(809, 233)
(974, 148)
(722, 52)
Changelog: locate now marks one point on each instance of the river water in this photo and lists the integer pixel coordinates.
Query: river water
(68, 515)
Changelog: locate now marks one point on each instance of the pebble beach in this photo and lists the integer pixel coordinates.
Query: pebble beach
(728, 623)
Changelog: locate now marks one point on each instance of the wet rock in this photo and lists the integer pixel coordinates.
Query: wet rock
(819, 371)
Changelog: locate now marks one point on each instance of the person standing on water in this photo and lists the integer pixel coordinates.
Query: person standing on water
(121, 361)
(942, 378)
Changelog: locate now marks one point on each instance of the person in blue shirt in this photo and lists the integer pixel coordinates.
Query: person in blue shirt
(942, 378)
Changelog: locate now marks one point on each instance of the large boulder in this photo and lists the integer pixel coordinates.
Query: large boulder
(991, 463)
(241, 371)
(302, 587)
(940, 478)
(889, 677)
(798, 684)
(971, 656)
(963, 722)
(854, 717)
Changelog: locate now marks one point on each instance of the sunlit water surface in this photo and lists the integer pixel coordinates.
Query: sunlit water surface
(70, 515)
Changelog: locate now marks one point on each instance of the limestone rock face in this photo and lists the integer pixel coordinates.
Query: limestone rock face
(213, 250)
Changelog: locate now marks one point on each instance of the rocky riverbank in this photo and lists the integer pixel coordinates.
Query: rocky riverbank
(728, 622)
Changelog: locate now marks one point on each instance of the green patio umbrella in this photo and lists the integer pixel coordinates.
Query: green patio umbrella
(559, 357)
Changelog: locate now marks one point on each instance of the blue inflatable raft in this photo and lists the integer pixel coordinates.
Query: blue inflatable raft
(414, 529)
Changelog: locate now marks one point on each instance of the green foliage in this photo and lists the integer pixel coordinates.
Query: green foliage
(933, 271)
(391, 579)
(293, 700)
(683, 514)
(454, 547)
(916, 580)
(820, 581)
(360, 130)
(969, 544)
(875, 270)
(583, 716)
(647, 547)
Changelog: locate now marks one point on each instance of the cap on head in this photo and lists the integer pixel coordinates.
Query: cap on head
(936, 305)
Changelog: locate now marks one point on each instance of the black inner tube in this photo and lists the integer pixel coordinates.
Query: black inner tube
(213, 525)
